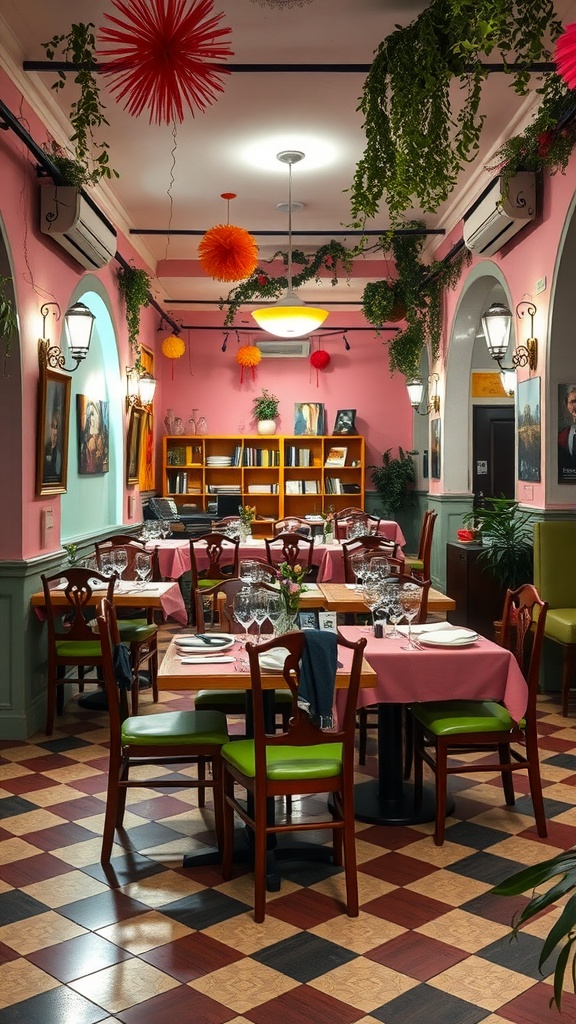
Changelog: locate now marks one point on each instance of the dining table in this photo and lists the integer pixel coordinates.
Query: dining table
(480, 670)
(347, 597)
(166, 596)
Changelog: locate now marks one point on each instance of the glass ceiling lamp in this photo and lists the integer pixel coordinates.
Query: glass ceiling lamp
(289, 317)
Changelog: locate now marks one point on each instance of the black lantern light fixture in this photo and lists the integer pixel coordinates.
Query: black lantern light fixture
(415, 387)
(78, 324)
(497, 324)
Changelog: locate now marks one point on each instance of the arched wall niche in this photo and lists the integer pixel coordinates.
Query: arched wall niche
(483, 281)
(94, 503)
(561, 362)
(11, 458)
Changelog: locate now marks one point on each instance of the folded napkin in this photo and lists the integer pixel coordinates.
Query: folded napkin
(214, 660)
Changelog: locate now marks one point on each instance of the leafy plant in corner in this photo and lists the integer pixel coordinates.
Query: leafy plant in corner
(87, 112)
(416, 143)
(134, 285)
(394, 481)
(506, 535)
(265, 406)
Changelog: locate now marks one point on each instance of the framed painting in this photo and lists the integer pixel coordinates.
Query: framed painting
(93, 436)
(134, 445)
(52, 432)
(147, 475)
(567, 433)
(309, 418)
(529, 433)
(435, 452)
(345, 422)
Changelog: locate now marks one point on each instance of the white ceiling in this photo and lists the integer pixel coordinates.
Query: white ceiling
(178, 180)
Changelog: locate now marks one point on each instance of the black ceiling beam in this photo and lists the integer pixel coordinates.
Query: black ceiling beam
(257, 302)
(298, 69)
(324, 331)
(298, 234)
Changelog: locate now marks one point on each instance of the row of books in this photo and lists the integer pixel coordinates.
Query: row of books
(333, 485)
(302, 487)
(263, 489)
(294, 456)
(223, 489)
(260, 457)
(178, 484)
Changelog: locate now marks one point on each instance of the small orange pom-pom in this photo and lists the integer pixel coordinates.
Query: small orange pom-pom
(173, 347)
(228, 253)
(248, 355)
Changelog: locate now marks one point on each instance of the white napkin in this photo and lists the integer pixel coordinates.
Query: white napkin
(453, 636)
(274, 660)
(223, 660)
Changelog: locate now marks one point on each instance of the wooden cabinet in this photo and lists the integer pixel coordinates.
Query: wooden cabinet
(280, 475)
(479, 599)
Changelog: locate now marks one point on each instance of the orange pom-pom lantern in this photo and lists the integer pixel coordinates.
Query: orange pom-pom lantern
(228, 253)
(319, 360)
(173, 347)
(248, 356)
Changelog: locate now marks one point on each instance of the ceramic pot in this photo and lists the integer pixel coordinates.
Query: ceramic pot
(266, 426)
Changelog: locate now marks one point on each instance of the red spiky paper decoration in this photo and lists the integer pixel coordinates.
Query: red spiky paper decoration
(164, 52)
(565, 55)
(226, 252)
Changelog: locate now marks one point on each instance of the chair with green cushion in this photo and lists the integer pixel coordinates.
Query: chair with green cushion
(304, 760)
(419, 564)
(293, 548)
(71, 640)
(155, 740)
(222, 555)
(554, 555)
(447, 729)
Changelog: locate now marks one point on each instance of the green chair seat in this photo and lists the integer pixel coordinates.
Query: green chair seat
(78, 649)
(235, 697)
(286, 762)
(176, 729)
(414, 563)
(561, 625)
(136, 631)
(454, 717)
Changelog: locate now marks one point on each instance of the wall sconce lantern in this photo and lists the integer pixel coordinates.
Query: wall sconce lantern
(78, 324)
(415, 388)
(140, 388)
(496, 324)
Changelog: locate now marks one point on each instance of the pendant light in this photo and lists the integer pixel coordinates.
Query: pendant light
(289, 317)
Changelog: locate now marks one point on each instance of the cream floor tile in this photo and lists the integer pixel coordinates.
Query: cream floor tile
(449, 887)
(56, 794)
(358, 933)
(437, 856)
(242, 888)
(463, 930)
(505, 819)
(123, 985)
(367, 851)
(244, 985)
(363, 984)
(144, 932)
(13, 771)
(38, 932)
(12, 850)
(95, 823)
(186, 824)
(522, 852)
(31, 821)
(172, 853)
(90, 753)
(485, 984)
(63, 889)
(157, 890)
(20, 976)
(23, 752)
(560, 792)
(540, 926)
(550, 773)
(369, 888)
(243, 934)
(73, 772)
(82, 854)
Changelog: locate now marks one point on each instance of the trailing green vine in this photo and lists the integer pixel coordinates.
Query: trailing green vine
(418, 289)
(416, 143)
(87, 112)
(134, 285)
(8, 321)
(260, 285)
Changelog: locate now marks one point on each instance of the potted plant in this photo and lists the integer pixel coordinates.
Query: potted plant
(265, 411)
(394, 481)
(505, 533)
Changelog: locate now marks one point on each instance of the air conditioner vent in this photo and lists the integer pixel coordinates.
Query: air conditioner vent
(498, 213)
(280, 349)
(73, 220)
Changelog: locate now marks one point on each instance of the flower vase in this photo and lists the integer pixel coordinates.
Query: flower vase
(328, 536)
(169, 421)
(287, 622)
(245, 532)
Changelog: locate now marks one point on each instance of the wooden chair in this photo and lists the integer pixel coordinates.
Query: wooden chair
(356, 518)
(368, 715)
(177, 737)
(445, 729)
(71, 640)
(294, 549)
(136, 625)
(292, 524)
(219, 602)
(371, 546)
(222, 554)
(303, 760)
(420, 564)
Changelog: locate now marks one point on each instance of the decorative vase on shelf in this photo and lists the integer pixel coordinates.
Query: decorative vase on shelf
(266, 426)
(201, 425)
(169, 421)
(178, 425)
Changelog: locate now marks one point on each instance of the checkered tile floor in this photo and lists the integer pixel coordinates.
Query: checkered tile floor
(164, 943)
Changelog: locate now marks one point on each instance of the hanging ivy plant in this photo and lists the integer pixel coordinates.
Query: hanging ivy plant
(261, 286)
(134, 285)
(418, 288)
(416, 143)
(87, 112)
(8, 321)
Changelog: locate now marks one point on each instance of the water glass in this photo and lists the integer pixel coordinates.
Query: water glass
(409, 598)
(120, 560)
(143, 567)
(243, 611)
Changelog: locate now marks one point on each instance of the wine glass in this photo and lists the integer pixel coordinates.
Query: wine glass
(143, 567)
(392, 605)
(120, 561)
(372, 595)
(107, 567)
(409, 598)
(358, 565)
(378, 568)
(248, 571)
(243, 611)
(275, 611)
(259, 610)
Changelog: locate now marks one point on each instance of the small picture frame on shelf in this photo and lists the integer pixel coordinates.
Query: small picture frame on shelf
(309, 418)
(336, 457)
(328, 620)
(308, 619)
(345, 422)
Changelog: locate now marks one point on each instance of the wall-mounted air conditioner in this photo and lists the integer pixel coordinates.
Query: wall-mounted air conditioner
(498, 213)
(73, 220)
(280, 349)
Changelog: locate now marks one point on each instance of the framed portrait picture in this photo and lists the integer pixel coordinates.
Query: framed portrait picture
(52, 432)
(435, 452)
(146, 479)
(134, 444)
(93, 436)
(345, 422)
(309, 418)
(529, 434)
(567, 433)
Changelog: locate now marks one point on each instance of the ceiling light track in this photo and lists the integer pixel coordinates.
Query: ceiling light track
(296, 69)
(299, 234)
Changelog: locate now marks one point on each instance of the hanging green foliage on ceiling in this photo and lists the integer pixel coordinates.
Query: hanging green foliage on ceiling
(417, 140)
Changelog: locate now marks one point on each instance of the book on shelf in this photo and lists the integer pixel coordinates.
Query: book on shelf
(311, 487)
(294, 487)
(333, 485)
(262, 488)
(336, 457)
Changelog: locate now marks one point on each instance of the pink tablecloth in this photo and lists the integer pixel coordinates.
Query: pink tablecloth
(173, 557)
(483, 671)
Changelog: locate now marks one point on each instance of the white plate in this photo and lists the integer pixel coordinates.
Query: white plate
(274, 662)
(440, 640)
(193, 643)
(207, 661)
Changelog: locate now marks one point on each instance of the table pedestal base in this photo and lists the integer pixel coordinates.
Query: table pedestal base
(375, 809)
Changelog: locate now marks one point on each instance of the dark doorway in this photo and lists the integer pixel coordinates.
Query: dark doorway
(493, 450)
